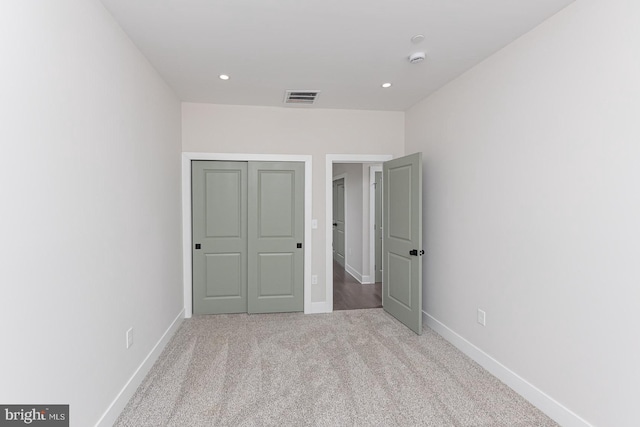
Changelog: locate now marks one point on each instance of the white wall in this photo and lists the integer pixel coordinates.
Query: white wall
(532, 207)
(317, 132)
(90, 205)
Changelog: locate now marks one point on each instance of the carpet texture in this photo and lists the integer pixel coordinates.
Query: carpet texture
(349, 368)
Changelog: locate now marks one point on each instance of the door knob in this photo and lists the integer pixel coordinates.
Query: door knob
(335, 224)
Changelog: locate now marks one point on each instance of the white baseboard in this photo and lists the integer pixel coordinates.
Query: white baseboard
(353, 272)
(362, 279)
(320, 307)
(367, 280)
(113, 411)
(554, 409)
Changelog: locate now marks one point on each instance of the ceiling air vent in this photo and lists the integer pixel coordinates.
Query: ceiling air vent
(301, 97)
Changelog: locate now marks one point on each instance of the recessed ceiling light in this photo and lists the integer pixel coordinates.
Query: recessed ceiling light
(386, 85)
(223, 77)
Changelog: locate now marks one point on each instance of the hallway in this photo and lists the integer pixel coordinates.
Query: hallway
(348, 294)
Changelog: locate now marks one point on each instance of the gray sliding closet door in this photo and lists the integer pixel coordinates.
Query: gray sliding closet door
(219, 192)
(276, 237)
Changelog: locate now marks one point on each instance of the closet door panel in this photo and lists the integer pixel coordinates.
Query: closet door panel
(219, 227)
(276, 233)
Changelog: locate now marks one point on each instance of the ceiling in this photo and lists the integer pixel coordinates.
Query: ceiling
(344, 48)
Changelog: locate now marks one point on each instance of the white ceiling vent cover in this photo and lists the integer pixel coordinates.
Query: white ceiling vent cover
(301, 97)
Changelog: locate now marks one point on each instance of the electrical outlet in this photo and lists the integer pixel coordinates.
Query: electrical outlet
(129, 337)
(314, 280)
(482, 317)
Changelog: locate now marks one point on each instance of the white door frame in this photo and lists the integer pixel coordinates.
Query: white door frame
(330, 160)
(372, 219)
(186, 215)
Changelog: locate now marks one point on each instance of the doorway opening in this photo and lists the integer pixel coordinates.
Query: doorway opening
(402, 228)
(354, 279)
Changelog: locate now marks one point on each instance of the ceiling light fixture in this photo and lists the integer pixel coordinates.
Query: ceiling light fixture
(386, 85)
(223, 77)
(417, 38)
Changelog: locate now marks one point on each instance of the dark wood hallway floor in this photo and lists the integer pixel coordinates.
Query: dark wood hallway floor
(349, 294)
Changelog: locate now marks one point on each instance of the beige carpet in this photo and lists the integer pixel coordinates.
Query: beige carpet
(348, 368)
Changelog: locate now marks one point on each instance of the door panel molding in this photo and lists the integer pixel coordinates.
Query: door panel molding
(277, 269)
(226, 225)
(281, 225)
(218, 262)
(187, 243)
(400, 179)
(399, 266)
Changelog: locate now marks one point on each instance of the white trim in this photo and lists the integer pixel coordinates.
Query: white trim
(187, 277)
(330, 159)
(113, 411)
(320, 307)
(353, 272)
(187, 157)
(363, 280)
(554, 409)
(344, 195)
(372, 219)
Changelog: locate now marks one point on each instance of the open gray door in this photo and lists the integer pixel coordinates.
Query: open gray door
(402, 241)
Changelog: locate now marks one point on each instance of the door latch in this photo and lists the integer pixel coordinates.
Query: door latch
(197, 245)
(414, 252)
(299, 245)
